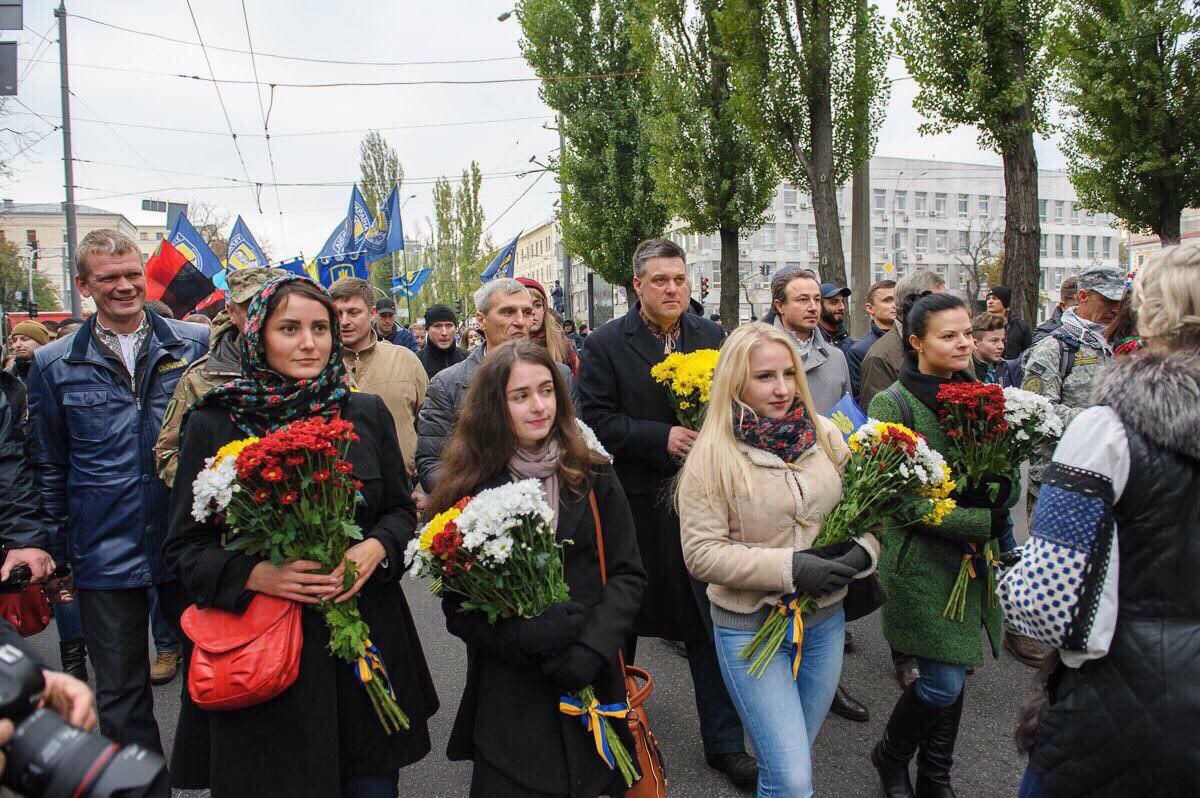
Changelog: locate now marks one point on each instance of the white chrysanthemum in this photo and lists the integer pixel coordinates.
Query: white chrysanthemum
(497, 510)
(213, 488)
(593, 442)
(498, 548)
(1026, 409)
(410, 552)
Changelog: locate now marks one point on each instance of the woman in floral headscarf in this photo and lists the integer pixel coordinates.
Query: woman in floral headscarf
(320, 736)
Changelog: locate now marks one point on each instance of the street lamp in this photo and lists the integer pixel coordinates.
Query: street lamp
(504, 15)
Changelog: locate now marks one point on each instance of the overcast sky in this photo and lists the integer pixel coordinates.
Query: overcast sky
(437, 129)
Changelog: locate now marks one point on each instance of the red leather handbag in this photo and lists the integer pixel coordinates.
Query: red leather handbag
(28, 611)
(242, 660)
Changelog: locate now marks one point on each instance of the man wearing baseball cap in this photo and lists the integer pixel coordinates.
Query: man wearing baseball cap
(388, 330)
(25, 339)
(833, 316)
(221, 364)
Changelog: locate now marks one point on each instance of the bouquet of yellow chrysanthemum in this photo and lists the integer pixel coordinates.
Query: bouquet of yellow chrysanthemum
(893, 479)
(688, 376)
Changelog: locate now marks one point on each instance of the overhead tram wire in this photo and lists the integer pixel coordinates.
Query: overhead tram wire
(41, 48)
(122, 139)
(306, 59)
(266, 128)
(520, 197)
(224, 110)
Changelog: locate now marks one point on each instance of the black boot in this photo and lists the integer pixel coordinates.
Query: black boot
(910, 721)
(74, 658)
(937, 754)
(846, 706)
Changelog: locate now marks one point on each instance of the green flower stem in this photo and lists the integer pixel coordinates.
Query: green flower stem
(621, 755)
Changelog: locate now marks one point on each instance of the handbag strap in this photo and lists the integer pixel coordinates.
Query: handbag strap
(603, 566)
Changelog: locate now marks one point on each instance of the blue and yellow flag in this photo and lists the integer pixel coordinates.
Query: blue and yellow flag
(357, 234)
(409, 285)
(504, 263)
(331, 269)
(244, 251)
(387, 236)
(846, 416)
(186, 238)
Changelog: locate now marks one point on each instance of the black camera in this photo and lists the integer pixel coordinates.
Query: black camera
(49, 757)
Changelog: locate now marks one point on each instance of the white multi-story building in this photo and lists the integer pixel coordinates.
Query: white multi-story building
(931, 215)
(1142, 247)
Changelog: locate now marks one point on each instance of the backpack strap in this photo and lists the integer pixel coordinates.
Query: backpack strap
(906, 414)
(1067, 347)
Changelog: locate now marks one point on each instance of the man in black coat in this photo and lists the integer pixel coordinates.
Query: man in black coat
(633, 418)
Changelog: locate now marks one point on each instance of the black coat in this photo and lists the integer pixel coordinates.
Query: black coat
(509, 714)
(322, 729)
(1017, 338)
(21, 524)
(632, 416)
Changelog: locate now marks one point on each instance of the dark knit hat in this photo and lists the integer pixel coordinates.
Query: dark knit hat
(1001, 292)
(439, 313)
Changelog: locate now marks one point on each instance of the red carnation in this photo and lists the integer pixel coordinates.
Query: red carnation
(261, 495)
(320, 475)
(289, 497)
(343, 467)
(272, 473)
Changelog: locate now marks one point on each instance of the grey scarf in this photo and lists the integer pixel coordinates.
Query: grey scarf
(541, 464)
(1088, 333)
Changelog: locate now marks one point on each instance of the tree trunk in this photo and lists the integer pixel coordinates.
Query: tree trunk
(1022, 227)
(731, 278)
(820, 175)
(1169, 212)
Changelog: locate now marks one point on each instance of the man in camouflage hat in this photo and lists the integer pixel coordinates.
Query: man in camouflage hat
(220, 365)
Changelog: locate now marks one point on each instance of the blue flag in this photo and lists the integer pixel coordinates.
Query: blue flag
(846, 416)
(330, 269)
(388, 234)
(409, 285)
(186, 238)
(295, 266)
(244, 251)
(503, 264)
(357, 234)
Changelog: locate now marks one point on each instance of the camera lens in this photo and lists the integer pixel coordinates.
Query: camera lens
(47, 757)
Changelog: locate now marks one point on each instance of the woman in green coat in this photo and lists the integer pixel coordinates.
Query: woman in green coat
(919, 565)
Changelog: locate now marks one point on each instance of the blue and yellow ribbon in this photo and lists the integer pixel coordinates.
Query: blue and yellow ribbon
(370, 666)
(593, 720)
(794, 608)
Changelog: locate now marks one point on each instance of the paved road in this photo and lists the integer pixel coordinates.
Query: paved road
(988, 766)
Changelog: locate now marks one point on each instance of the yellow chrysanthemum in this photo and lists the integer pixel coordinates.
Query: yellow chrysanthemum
(437, 525)
(941, 509)
(233, 449)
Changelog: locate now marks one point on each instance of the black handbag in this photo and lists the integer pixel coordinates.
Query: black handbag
(863, 597)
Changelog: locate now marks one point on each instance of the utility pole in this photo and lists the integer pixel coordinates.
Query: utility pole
(68, 163)
(568, 313)
(860, 248)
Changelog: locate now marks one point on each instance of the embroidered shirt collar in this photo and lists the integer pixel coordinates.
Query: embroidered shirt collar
(668, 337)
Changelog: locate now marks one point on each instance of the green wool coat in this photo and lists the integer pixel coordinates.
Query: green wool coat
(919, 564)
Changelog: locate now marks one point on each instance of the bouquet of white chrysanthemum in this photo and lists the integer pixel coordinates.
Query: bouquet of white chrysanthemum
(1031, 423)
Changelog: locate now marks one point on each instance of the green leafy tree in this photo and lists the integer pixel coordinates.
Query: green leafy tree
(708, 168)
(610, 202)
(14, 277)
(986, 63)
(379, 170)
(809, 82)
(458, 248)
(1131, 90)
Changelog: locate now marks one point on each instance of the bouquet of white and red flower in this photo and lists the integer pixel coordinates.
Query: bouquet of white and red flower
(498, 551)
(290, 495)
(893, 480)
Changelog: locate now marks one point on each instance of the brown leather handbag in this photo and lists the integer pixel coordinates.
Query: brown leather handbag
(638, 687)
(242, 660)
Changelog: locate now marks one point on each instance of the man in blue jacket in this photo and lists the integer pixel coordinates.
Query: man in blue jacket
(387, 329)
(96, 403)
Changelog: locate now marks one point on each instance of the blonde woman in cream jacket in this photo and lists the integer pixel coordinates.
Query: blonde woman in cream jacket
(764, 471)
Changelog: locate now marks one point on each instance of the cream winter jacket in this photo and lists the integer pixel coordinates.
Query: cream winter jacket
(743, 549)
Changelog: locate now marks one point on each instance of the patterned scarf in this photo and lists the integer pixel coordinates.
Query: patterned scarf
(788, 437)
(1088, 333)
(262, 399)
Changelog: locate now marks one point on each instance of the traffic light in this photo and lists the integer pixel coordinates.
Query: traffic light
(33, 310)
(703, 288)
(764, 270)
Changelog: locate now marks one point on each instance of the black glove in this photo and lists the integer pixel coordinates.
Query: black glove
(999, 523)
(817, 576)
(575, 668)
(552, 631)
(981, 496)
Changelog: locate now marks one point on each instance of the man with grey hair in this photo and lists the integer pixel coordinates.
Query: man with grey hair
(97, 400)
(881, 366)
(632, 415)
(503, 311)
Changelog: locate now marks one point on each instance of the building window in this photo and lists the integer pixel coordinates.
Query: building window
(1091, 247)
(900, 244)
(939, 205)
(143, 236)
(791, 236)
(1002, 205)
(1042, 210)
(31, 236)
(983, 207)
(1074, 213)
(1074, 246)
(1058, 211)
(812, 242)
(921, 240)
(716, 241)
(158, 236)
(1091, 218)
(941, 240)
(902, 201)
(1043, 245)
(1106, 247)
(792, 264)
(1060, 246)
(767, 236)
(789, 198)
(879, 239)
(964, 240)
(964, 205)
(879, 200)
(921, 203)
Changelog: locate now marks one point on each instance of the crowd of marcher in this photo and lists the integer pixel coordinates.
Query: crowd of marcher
(691, 536)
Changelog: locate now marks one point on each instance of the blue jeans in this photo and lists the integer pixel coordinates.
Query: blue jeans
(1030, 788)
(783, 715)
(165, 638)
(66, 619)
(1008, 540)
(371, 786)
(940, 682)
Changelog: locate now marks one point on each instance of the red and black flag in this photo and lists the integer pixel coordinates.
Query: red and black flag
(172, 278)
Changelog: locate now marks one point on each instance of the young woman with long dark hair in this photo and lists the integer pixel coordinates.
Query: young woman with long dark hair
(517, 422)
(321, 735)
(919, 564)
